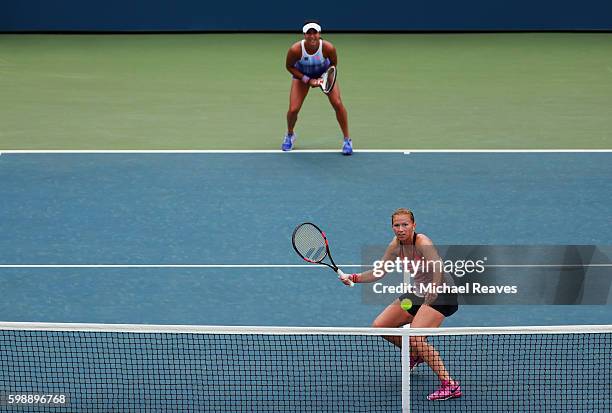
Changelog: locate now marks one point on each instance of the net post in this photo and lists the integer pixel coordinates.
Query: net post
(406, 369)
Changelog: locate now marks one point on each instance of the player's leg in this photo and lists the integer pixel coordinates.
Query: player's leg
(391, 317)
(342, 116)
(298, 93)
(428, 317)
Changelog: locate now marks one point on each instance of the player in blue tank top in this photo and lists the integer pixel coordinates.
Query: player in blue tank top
(307, 60)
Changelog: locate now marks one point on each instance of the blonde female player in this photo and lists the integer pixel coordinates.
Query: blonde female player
(307, 60)
(427, 314)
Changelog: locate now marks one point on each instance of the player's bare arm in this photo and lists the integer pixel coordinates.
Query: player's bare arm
(329, 51)
(426, 247)
(293, 55)
(368, 276)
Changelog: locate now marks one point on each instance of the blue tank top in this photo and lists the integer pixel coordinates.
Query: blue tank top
(312, 65)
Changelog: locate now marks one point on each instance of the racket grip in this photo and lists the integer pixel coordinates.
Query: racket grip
(342, 276)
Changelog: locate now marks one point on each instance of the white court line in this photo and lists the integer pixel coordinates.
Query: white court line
(269, 265)
(546, 265)
(297, 151)
(167, 266)
(163, 151)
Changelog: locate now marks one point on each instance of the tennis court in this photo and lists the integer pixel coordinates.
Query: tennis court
(192, 91)
(151, 210)
(107, 231)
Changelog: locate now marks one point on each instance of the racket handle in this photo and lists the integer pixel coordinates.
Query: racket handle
(342, 276)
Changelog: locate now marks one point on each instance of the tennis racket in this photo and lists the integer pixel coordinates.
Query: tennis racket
(311, 245)
(328, 80)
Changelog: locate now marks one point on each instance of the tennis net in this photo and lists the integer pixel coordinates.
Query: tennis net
(101, 367)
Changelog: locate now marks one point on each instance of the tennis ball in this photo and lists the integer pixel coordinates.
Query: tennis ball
(406, 304)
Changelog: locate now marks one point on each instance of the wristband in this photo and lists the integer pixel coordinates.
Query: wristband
(305, 79)
(354, 278)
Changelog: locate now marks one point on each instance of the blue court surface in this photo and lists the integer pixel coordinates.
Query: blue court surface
(240, 209)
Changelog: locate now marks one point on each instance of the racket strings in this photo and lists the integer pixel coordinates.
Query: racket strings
(309, 243)
(329, 79)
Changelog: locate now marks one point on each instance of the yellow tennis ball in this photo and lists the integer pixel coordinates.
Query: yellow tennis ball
(406, 304)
